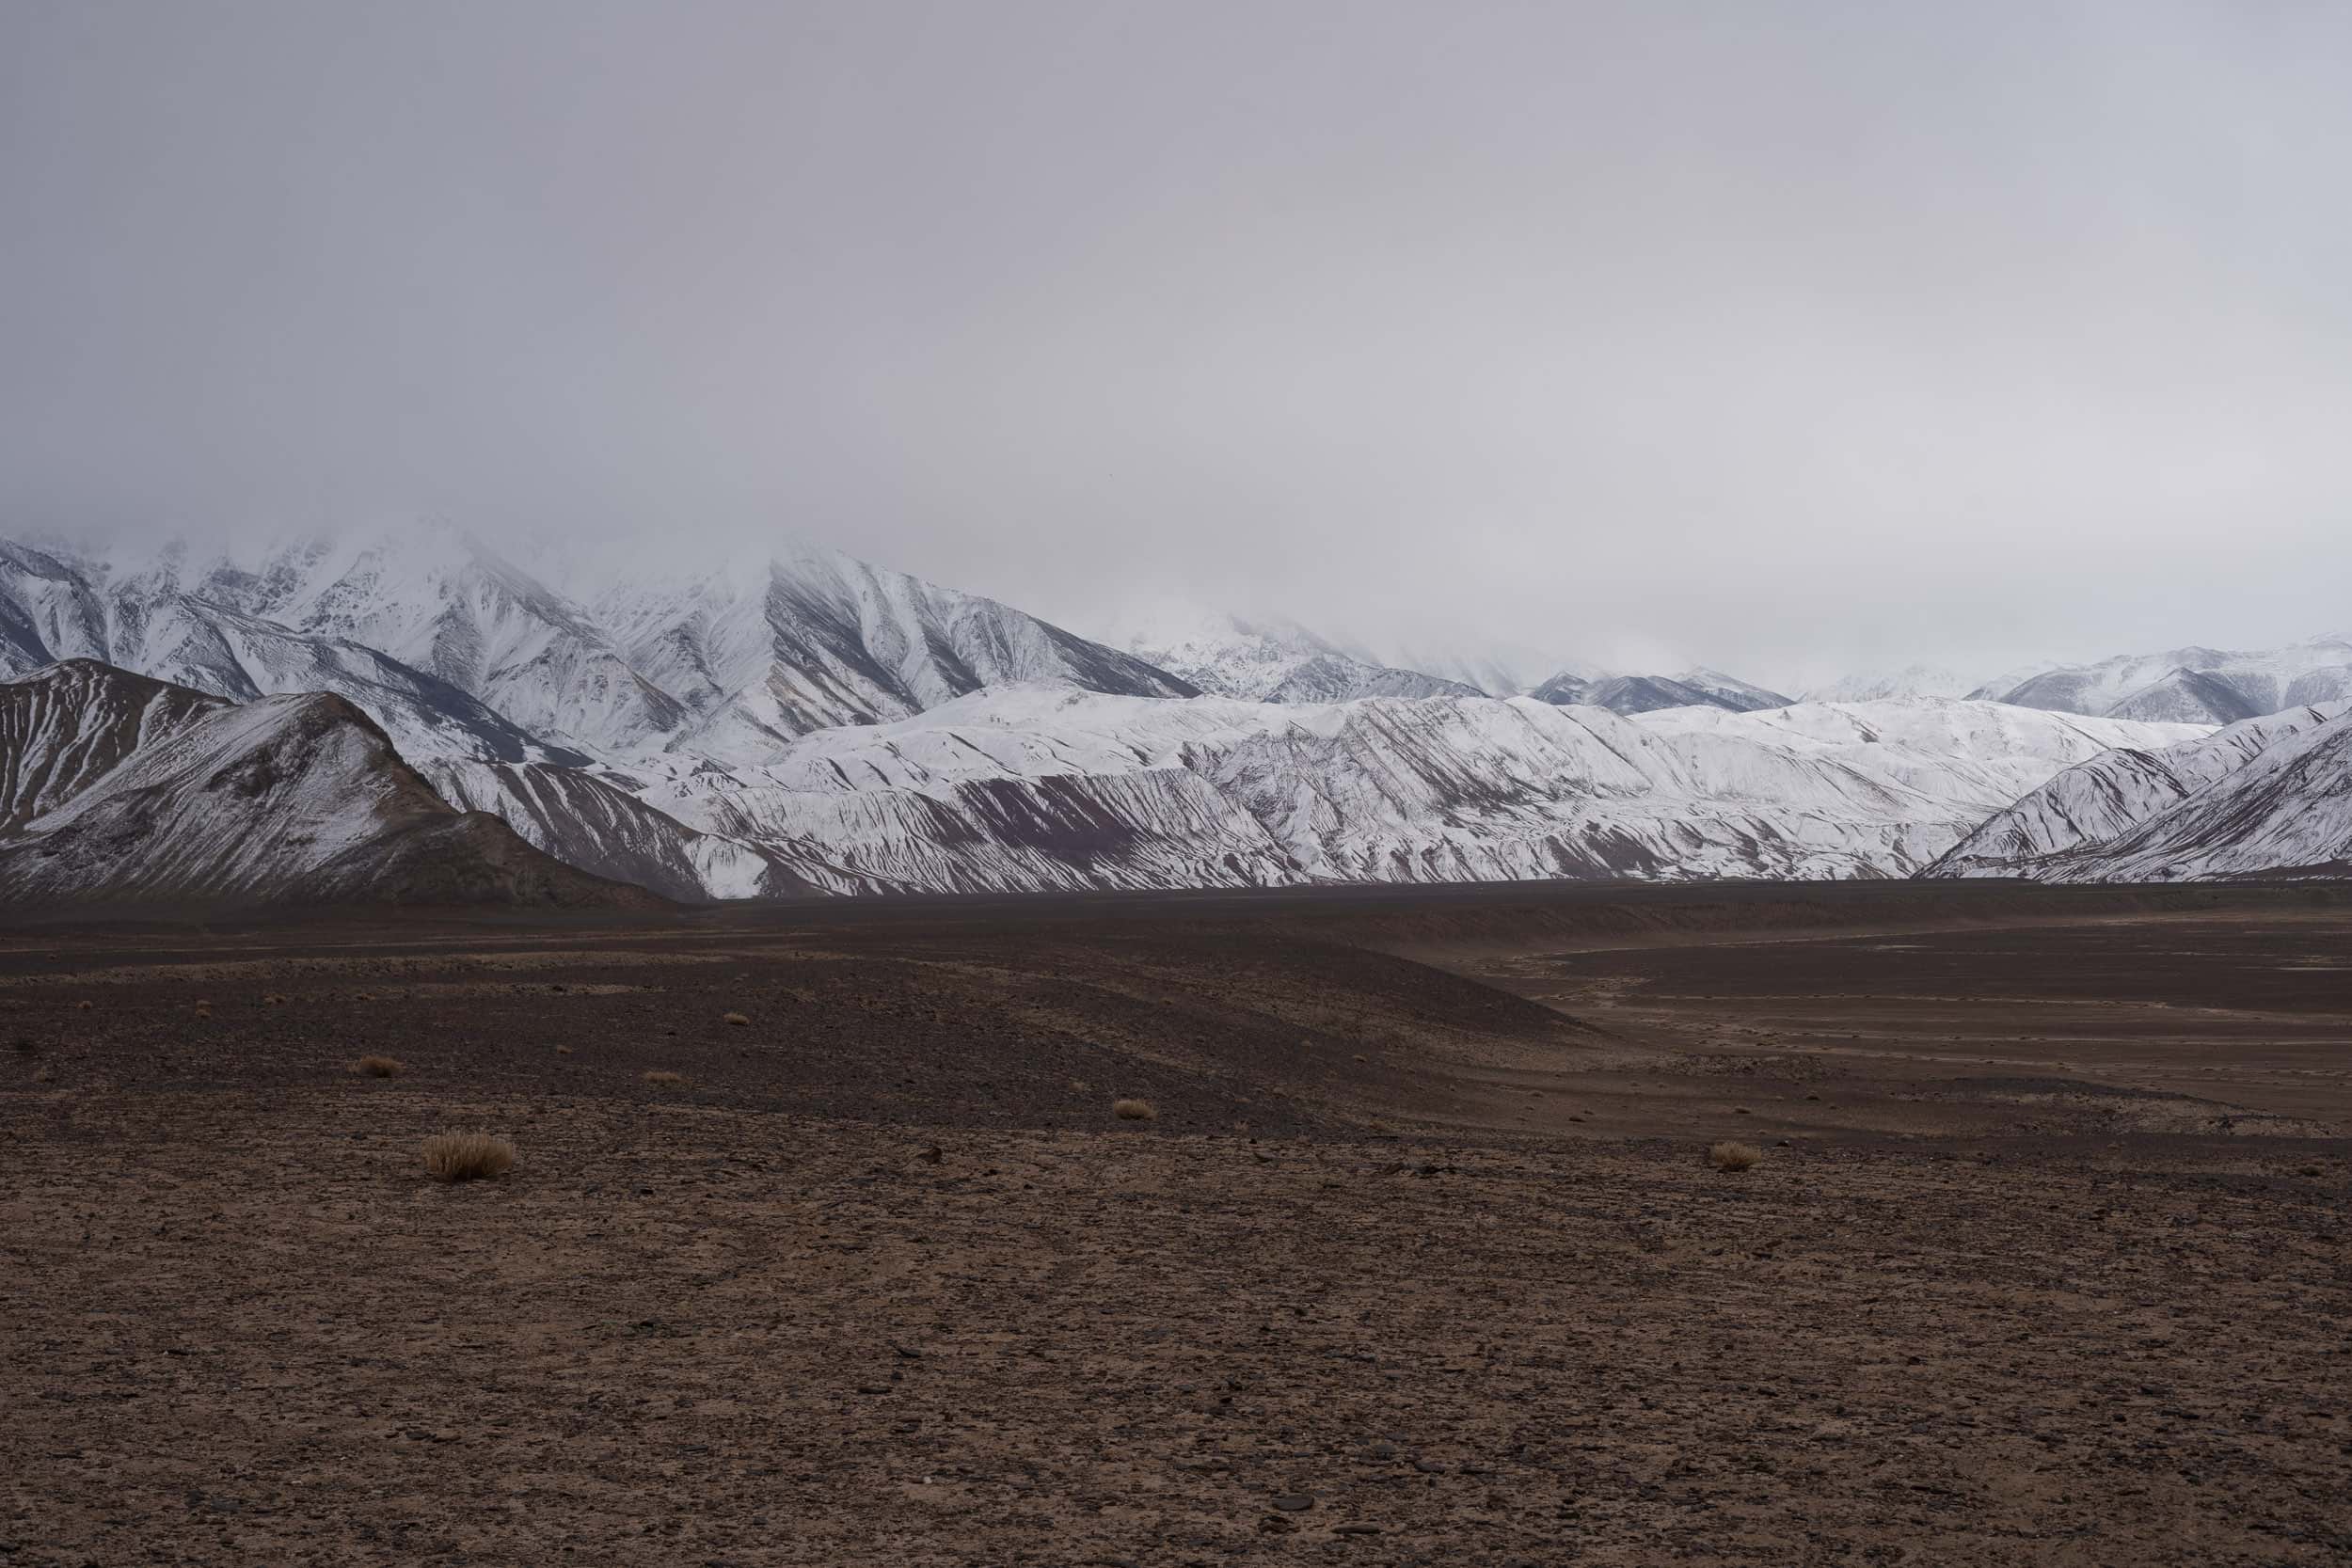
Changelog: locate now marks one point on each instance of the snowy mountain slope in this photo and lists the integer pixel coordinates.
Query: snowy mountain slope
(48, 611)
(759, 650)
(588, 822)
(462, 653)
(440, 602)
(1969, 753)
(137, 613)
(2267, 793)
(1043, 787)
(1263, 659)
(2207, 685)
(66, 728)
(175, 795)
(2186, 696)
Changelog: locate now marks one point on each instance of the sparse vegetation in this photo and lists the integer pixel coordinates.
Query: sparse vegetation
(1134, 1110)
(1730, 1156)
(666, 1080)
(736, 1020)
(377, 1067)
(468, 1157)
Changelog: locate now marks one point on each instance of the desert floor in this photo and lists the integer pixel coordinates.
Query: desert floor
(2047, 1260)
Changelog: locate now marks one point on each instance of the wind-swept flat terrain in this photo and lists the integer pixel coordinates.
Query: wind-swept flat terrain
(1421, 1262)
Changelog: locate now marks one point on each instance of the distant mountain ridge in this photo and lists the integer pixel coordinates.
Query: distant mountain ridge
(1632, 694)
(793, 721)
(2192, 684)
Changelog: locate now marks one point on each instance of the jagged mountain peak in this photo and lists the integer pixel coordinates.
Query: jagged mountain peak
(544, 654)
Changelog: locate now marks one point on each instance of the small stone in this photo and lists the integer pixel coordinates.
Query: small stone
(1294, 1502)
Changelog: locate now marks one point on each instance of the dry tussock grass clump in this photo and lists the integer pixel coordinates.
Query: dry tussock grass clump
(1735, 1156)
(377, 1067)
(468, 1157)
(736, 1020)
(666, 1080)
(1134, 1110)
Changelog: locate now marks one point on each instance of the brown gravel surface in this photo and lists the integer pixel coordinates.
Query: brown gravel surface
(883, 1286)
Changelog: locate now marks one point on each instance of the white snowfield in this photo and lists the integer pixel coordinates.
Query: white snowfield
(2268, 796)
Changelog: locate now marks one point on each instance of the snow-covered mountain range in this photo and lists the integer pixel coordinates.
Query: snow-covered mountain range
(459, 651)
(2270, 796)
(2194, 686)
(796, 722)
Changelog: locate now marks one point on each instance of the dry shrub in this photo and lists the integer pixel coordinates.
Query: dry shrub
(1134, 1110)
(666, 1080)
(377, 1067)
(736, 1020)
(1735, 1156)
(468, 1157)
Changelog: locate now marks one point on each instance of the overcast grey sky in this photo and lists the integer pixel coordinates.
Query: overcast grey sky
(1771, 336)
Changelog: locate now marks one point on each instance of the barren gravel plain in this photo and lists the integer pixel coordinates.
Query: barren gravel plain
(1420, 1259)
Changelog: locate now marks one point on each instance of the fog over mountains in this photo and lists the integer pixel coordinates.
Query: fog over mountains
(298, 719)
